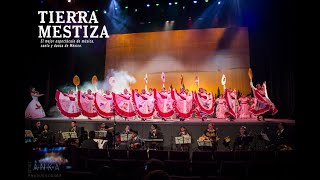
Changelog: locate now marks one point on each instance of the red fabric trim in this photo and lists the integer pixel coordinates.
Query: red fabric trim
(183, 115)
(231, 112)
(162, 114)
(210, 111)
(120, 111)
(257, 95)
(62, 111)
(137, 109)
(198, 113)
(84, 112)
(100, 112)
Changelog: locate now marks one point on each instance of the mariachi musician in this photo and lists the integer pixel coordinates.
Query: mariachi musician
(211, 134)
(135, 142)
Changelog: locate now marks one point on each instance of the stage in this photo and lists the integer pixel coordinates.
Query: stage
(170, 128)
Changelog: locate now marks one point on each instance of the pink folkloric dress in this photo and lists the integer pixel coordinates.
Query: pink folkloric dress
(205, 103)
(86, 104)
(253, 102)
(67, 104)
(34, 109)
(244, 108)
(163, 103)
(263, 103)
(231, 98)
(123, 105)
(183, 105)
(143, 104)
(221, 108)
(104, 104)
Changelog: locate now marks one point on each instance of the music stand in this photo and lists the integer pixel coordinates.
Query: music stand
(265, 136)
(69, 135)
(125, 137)
(100, 134)
(183, 140)
(205, 143)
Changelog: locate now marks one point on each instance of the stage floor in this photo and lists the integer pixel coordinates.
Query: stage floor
(168, 121)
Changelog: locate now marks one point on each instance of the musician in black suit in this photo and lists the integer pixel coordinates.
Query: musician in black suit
(135, 142)
(155, 133)
(75, 128)
(37, 130)
(242, 140)
(109, 135)
(282, 136)
(47, 136)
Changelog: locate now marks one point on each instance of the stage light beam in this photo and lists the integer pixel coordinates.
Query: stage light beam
(195, 2)
(219, 2)
(175, 3)
(170, 3)
(148, 5)
(157, 4)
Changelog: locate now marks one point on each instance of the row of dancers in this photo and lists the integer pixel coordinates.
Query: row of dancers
(154, 103)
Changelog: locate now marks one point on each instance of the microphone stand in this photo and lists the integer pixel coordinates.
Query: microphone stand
(171, 143)
(114, 129)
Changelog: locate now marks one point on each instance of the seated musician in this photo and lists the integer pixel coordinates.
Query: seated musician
(241, 142)
(184, 133)
(37, 129)
(47, 136)
(109, 135)
(155, 133)
(121, 142)
(90, 143)
(211, 134)
(135, 142)
(76, 129)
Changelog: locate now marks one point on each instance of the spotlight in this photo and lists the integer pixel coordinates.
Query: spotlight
(206, 0)
(183, 7)
(115, 8)
(194, 2)
(149, 22)
(88, 11)
(104, 12)
(167, 21)
(175, 3)
(148, 5)
(170, 3)
(97, 10)
(135, 10)
(157, 4)
(126, 7)
(219, 2)
(69, 1)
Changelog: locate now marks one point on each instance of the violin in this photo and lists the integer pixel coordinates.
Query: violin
(202, 138)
